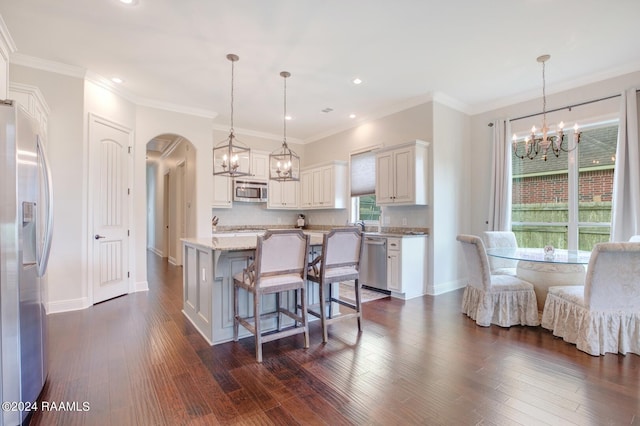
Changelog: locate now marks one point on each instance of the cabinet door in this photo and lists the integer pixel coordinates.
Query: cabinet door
(260, 166)
(306, 189)
(274, 198)
(404, 176)
(327, 197)
(222, 192)
(384, 178)
(317, 187)
(290, 194)
(393, 271)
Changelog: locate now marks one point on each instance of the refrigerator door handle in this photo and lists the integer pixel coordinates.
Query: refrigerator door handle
(43, 258)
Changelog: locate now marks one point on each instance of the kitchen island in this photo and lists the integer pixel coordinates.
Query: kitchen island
(209, 266)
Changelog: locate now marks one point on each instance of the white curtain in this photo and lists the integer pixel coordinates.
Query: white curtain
(625, 215)
(500, 195)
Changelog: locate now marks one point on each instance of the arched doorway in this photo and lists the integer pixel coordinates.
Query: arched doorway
(171, 204)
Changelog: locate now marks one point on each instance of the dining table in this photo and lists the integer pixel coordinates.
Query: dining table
(544, 267)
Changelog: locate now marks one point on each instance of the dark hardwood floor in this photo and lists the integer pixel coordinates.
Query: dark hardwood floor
(136, 360)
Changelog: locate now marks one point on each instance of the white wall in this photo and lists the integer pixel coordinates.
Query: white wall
(450, 207)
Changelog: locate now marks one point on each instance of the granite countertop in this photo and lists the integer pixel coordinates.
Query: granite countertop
(237, 241)
(397, 234)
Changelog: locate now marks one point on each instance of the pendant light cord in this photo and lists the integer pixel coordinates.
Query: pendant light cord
(284, 140)
(544, 98)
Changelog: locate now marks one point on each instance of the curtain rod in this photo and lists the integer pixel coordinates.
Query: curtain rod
(564, 107)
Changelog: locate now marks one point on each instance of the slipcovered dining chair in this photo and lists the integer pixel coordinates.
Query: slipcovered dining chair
(603, 315)
(488, 299)
(339, 262)
(280, 265)
(501, 239)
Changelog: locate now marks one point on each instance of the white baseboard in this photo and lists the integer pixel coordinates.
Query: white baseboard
(446, 287)
(155, 251)
(67, 305)
(142, 286)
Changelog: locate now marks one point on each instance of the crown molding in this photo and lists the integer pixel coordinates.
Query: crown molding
(253, 133)
(557, 88)
(105, 83)
(18, 58)
(438, 97)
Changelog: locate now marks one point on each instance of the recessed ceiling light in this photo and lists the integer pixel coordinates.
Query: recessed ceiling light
(117, 80)
(356, 81)
(287, 117)
(129, 2)
(352, 116)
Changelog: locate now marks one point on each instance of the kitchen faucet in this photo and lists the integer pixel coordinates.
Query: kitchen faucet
(361, 224)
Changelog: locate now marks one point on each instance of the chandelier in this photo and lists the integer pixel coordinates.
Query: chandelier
(231, 157)
(284, 164)
(542, 143)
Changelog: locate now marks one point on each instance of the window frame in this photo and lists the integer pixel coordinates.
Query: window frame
(573, 223)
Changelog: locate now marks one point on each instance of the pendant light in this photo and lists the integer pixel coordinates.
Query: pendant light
(284, 164)
(231, 157)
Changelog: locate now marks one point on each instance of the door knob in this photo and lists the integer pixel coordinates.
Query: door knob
(97, 237)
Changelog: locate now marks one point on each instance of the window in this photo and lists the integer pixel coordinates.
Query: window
(363, 188)
(556, 202)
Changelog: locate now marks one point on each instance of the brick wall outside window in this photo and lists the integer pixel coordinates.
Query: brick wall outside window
(595, 185)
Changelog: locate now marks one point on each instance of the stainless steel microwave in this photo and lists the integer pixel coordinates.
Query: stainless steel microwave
(249, 191)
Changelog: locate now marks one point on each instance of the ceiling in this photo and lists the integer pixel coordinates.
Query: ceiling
(473, 55)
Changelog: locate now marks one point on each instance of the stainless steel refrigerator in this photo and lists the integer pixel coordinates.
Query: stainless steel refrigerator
(25, 241)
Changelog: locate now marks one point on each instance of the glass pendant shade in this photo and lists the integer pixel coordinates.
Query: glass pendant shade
(284, 164)
(230, 157)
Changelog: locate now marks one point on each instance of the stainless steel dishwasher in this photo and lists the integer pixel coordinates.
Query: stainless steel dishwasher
(373, 269)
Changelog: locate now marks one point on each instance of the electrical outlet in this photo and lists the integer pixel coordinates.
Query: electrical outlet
(404, 221)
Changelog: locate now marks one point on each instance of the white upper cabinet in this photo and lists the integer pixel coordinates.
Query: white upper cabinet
(401, 175)
(259, 166)
(283, 195)
(324, 187)
(222, 192)
(32, 100)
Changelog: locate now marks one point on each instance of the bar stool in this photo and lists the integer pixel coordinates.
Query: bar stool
(339, 262)
(279, 266)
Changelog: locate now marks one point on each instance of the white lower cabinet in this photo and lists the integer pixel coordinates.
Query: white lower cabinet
(406, 260)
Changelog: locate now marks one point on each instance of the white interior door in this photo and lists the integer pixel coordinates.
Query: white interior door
(109, 168)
